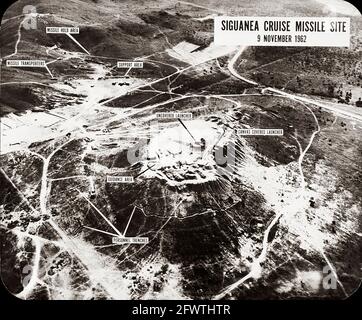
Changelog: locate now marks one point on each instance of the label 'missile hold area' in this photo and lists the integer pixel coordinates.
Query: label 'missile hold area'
(282, 31)
(71, 30)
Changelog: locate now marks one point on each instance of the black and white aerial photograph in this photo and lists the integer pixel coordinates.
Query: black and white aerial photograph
(141, 160)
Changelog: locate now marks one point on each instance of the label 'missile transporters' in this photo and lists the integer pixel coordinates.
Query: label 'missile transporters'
(25, 63)
(282, 31)
(71, 30)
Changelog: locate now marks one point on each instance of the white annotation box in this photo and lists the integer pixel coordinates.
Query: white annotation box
(25, 63)
(174, 115)
(282, 31)
(71, 30)
(130, 240)
(120, 179)
(130, 64)
(260, 132)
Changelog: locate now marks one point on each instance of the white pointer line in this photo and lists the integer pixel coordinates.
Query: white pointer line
(103, 216)
(130, 218)
(52, 61)
(101, 231)
(199, 6)
(46, 67)
(127, 72)
(71, 37)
